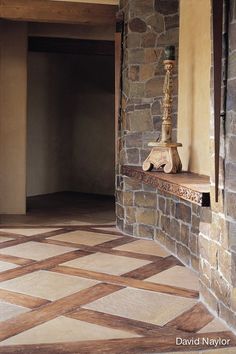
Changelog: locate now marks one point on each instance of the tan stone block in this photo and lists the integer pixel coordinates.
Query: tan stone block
(184, 235)
(145, 199)
(148, 40)
(135, 56)
(195, 262)
(136, 89)
(146, 72)
(204, 248)
(175, 229)
(137, 25)
(205, 272)
(208, 298)
(220, 287)
(205, 228)
(171, 37)
(154, 87)
(141, 8)
(119, 211)
(228, 315)
(133, 40)
(131, 184)
(225, 263)
(165, 224)
(133, 73)
(140, 121)
(217, 207)
(130, 215)
(151, 55)
(193, 244)
(146, 231)
(233, 299)
(183, 253)
(160, 236)
(146, 216)
(170, 244)
(128, 198)
(156, 22)
(183, 212)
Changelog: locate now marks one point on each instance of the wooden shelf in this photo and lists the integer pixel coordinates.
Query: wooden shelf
(188, 186)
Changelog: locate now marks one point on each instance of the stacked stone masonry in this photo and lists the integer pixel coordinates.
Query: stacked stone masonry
(145, 212)
(149, 26)
(217, 240)
(203, 238)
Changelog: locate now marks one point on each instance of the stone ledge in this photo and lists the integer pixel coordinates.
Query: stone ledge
(188, 186)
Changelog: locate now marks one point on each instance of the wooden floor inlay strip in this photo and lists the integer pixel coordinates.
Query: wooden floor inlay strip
(44, 264)
(57, 308)
(142, 345)
(24, 300)
(125, 281)
(192, 320)
(152, 268)
(117, 322)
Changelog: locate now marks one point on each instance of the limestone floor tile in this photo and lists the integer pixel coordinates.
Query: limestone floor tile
(47, 285)
(62, 329)
(6, 266)
(145, 247)
(10, 310)
(107, 263)
(215, 325)
(177, 276)
(4, 239)
(28, 232)
(84, 237)
(143, 305)
(35, 250)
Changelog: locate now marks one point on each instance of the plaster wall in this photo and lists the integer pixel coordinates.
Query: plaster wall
(70, 124)
(194, 85)
(13, 97)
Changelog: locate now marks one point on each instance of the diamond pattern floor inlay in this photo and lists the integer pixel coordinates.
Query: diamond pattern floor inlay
(88, 289)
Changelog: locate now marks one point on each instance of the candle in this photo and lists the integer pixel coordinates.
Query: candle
(170, 52)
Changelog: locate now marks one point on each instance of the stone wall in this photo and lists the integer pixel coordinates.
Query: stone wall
(217, 241)
(149, 26)
(145, 212)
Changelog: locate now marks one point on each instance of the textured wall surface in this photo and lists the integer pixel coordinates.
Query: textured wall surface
(149, 27)
(217, 240)
(144, 211)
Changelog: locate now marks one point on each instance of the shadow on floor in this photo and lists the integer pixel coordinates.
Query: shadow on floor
(66, 208)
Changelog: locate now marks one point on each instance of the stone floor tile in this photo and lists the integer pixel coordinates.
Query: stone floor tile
(47, 285)
(84, 237)
(107, 263)
(35, 250)
(62, 329)
(178, 276)
(145, 247)
(143, 305)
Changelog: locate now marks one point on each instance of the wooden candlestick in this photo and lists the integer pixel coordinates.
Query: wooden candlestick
(164, 153)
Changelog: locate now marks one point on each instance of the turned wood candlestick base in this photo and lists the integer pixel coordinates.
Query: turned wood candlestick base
(163, 155)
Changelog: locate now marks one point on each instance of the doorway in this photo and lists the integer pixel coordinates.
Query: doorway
(70, 124)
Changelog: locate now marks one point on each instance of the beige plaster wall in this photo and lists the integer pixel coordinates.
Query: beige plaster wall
(48, 124)
(13, 97)
(70, 124)
(194, 85)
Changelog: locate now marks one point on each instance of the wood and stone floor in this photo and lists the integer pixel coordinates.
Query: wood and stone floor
(89, 289)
